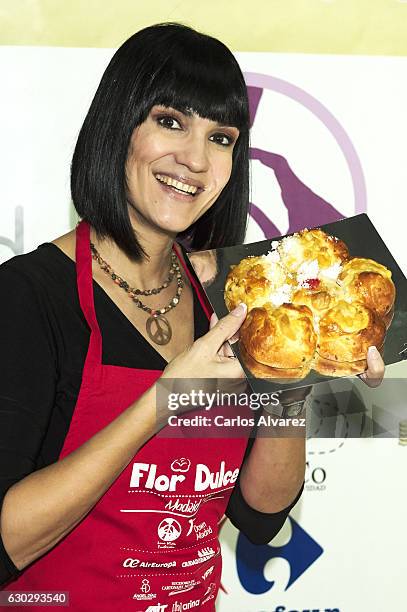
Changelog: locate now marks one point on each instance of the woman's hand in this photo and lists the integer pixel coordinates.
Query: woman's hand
(225, 349)
(375, 368)
(210, 355)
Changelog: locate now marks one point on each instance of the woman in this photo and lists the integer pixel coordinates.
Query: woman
(94, 502)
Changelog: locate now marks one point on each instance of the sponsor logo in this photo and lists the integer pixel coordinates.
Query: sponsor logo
(201, 531)
(181, 465)
(205, 479)
(157, 608)
(145, 585)
(129, 562)
(208, 572)
(148, 474)
(188, 507)
(145, 475)
(192, 603)
(315, 478)
(169, 530)
(180, 586)
(203, 555)
(210, 593)
(145, 594)
(300, 553)
(273, 174)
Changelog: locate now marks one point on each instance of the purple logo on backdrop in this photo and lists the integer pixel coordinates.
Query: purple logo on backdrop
(305, 208)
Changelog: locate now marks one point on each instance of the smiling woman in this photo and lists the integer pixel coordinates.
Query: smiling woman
(191, 88)
(161, 161)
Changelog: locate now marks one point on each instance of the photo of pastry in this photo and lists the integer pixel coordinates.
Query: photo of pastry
(316, 300)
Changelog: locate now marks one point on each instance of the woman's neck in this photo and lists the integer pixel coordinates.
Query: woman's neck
(144, 274)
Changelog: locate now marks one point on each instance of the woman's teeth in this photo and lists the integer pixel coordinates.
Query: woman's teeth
(182, 187)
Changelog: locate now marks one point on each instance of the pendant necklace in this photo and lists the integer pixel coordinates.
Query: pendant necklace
(157, 326)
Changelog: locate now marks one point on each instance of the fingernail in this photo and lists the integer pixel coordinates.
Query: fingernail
(233, 339)
(239, 310)
(372, 350)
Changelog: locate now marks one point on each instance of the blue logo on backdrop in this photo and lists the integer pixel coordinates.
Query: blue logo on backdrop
(300, 553)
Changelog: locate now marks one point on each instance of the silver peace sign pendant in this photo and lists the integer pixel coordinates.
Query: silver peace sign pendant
(159, 329)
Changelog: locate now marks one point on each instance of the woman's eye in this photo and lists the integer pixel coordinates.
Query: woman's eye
(223, 139)
(169, 122)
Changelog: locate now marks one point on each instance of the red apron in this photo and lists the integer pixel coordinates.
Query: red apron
(151, 542)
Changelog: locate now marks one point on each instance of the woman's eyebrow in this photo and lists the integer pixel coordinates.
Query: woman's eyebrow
(189, 112)
(228, 125)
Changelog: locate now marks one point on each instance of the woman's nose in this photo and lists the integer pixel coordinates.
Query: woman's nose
(193, 153)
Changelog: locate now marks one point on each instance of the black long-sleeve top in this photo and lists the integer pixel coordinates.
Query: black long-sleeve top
(44, 339)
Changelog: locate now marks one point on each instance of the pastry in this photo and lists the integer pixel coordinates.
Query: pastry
(345, 333)
(282, 338)
(318, 297)
(300, 249)
(366, 281)
(310, 305)
(261, 370)
(254, 280)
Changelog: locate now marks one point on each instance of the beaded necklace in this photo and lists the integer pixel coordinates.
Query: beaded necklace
(157, 326)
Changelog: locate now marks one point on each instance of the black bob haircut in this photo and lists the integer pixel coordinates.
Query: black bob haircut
(171, 65)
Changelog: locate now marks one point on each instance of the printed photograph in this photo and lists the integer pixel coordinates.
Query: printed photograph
(316, 300)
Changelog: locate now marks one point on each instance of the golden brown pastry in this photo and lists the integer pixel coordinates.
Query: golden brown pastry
(308, 246)
(260, 370)
(280, 337)
(253, 280)
(345, 333)
(366, 281)
(318, 297)
(310, 305)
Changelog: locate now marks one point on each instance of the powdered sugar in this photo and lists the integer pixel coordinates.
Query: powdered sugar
(308, 269)
(332, 272)
(273, 256)
(281, 296)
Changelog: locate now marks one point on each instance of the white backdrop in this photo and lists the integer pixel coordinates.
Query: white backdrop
(339, 122)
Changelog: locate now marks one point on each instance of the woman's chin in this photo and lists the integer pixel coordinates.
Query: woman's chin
(174, 226)
(171, 225)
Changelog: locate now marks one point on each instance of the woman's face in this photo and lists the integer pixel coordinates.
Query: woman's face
(176, 168)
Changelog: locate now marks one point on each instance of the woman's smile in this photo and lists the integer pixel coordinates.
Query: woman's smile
(180, 184)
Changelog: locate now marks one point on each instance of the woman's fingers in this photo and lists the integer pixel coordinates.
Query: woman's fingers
(213, 320)
(207, 357)
(375, 368)
(235, 337)
(225, 349)
(220, 331)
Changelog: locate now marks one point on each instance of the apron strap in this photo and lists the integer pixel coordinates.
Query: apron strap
(84, 281)
(199, 291)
